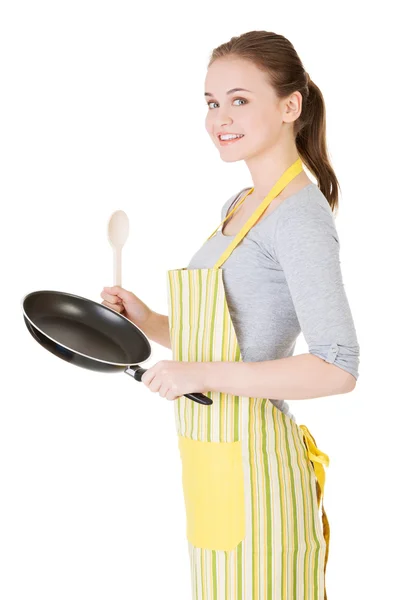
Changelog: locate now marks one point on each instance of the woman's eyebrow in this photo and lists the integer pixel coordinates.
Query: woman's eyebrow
(230, 91)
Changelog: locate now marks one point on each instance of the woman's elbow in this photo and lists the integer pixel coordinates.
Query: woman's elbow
(344, 381)
(349, 383)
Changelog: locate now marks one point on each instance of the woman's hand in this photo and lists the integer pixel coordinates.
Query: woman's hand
(174, 378)
(127, 304)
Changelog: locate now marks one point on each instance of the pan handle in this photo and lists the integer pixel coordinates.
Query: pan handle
(136, 372)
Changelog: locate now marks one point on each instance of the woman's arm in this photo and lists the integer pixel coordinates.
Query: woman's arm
(306, 248)
(157, 329)
(293, 378)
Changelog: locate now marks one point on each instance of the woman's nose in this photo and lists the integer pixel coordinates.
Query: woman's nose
(223, 120)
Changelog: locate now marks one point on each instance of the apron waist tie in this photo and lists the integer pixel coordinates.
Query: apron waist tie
(318, 459)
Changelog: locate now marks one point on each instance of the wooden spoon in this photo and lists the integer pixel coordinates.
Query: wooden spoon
(118, 231)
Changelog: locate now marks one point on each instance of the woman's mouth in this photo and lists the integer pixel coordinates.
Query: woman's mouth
(230, 140)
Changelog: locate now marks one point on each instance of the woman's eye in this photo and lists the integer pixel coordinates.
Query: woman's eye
(243, 99)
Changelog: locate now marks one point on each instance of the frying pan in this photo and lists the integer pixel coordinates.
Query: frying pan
(88, 334)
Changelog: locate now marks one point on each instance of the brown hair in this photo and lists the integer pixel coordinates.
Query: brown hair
(276, 56)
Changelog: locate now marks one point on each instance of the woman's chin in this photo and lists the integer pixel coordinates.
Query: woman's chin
(231, 158)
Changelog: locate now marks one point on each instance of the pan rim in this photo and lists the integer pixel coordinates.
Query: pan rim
(77, 351)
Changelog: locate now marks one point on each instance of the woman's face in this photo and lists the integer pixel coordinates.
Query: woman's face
(257, 114)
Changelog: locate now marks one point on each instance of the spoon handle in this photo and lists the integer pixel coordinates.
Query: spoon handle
(117, 266)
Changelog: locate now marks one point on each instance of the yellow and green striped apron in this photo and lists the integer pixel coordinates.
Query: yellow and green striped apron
(252, 479)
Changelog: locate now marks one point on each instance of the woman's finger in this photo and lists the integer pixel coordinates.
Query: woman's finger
(117, 307)
(111, 298)
(163, 391)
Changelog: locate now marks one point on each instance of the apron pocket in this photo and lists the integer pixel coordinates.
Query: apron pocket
(213, 487)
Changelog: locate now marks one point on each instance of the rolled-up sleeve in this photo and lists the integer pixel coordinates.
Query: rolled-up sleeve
(307, 249)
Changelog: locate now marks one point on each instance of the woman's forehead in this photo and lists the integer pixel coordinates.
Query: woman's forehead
(227, 76)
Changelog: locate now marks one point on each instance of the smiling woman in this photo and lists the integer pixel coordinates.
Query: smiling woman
(253, 480)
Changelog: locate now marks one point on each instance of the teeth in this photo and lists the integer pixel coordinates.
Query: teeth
(230, 136)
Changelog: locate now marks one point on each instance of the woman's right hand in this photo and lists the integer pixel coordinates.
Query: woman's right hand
(126, 303)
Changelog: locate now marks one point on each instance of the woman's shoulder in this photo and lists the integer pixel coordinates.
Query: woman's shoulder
(306, 217)
(306, 207)
(309, 203)
(303, 217)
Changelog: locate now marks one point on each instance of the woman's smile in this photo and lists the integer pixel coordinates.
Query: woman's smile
(229, 141)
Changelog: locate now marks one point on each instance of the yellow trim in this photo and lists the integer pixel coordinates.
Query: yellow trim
(317, 457)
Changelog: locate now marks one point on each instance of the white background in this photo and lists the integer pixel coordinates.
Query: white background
(102, 109)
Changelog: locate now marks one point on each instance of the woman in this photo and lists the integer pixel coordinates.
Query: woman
(252, 479)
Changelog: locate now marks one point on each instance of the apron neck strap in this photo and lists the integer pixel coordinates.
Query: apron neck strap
(283, 181)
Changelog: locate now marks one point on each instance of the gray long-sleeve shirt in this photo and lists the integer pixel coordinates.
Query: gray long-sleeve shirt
(284, 278)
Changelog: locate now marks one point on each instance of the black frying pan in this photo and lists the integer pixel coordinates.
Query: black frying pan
(88, 334)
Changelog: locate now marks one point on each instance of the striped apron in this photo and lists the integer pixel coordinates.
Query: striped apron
(252, 478)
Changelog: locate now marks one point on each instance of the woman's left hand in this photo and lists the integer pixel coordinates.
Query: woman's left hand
(174, 378)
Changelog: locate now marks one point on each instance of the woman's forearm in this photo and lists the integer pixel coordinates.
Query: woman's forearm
(156, 328)
(292, 378)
